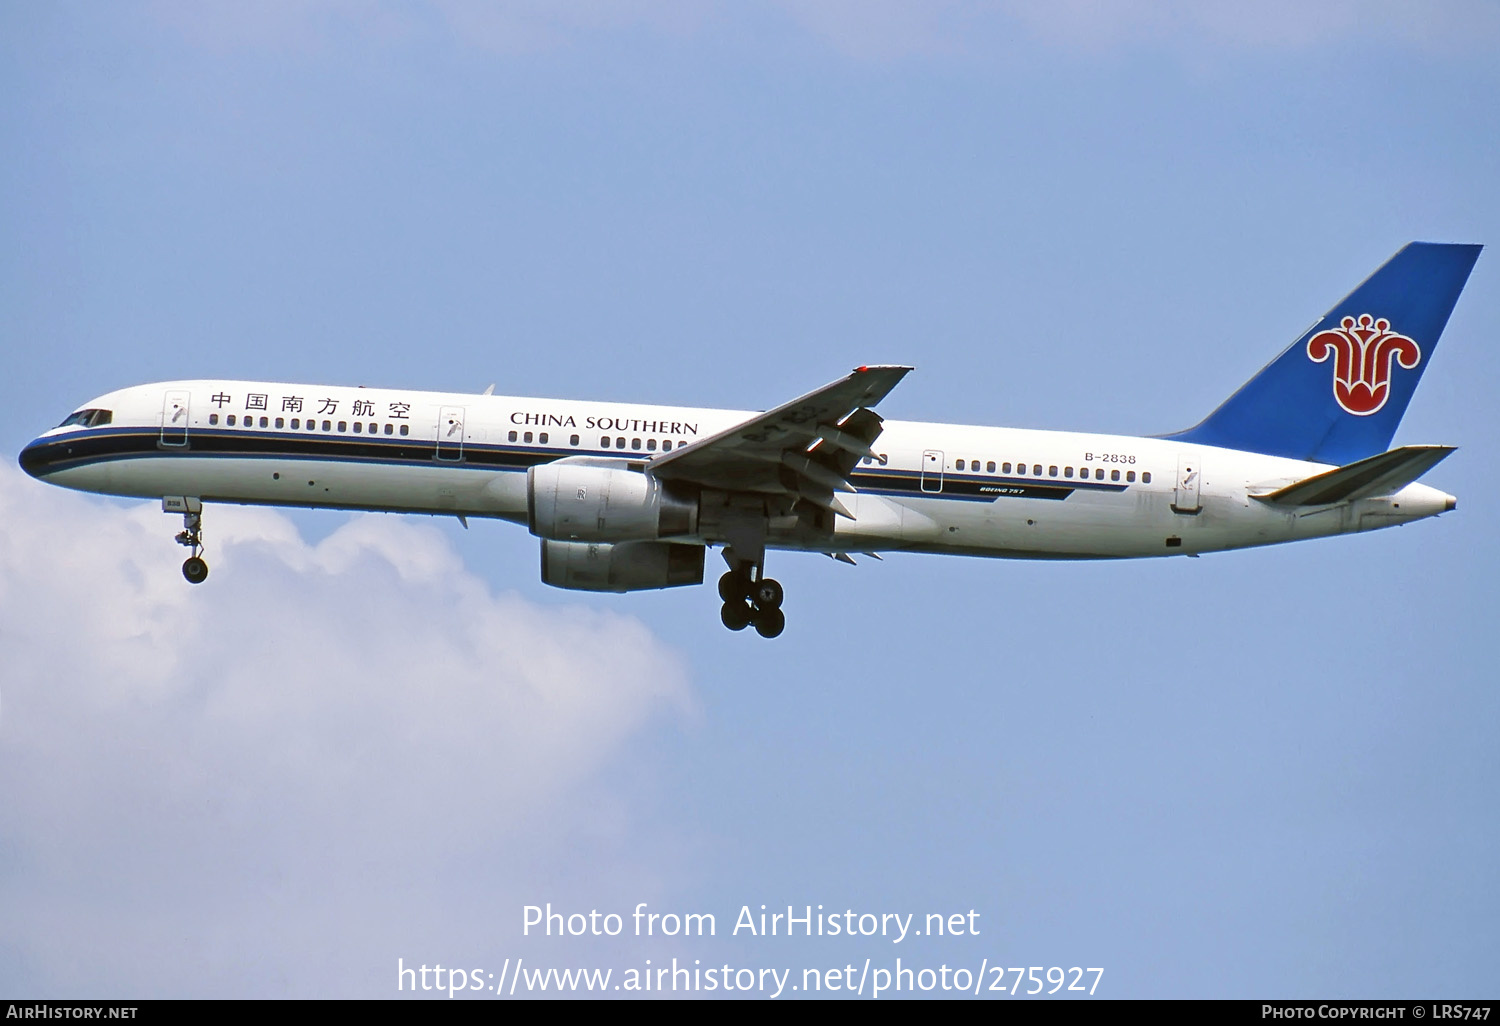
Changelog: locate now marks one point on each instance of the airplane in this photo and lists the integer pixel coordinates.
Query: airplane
(627, 497)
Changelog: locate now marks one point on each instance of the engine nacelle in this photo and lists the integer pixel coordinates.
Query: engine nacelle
(626, 566)
(590, 500)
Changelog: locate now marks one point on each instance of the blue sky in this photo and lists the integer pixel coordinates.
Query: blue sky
(1259, 773)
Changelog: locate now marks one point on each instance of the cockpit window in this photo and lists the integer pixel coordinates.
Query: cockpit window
(89, 418)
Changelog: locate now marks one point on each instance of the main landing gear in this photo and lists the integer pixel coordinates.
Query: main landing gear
(191, 535)
(750, 598)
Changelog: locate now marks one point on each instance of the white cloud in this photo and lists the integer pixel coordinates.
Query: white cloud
(877, 29)
(871, 30)
(512, 26)
(272, 782)
(524, 25)
(882, 29)
(1270, 24)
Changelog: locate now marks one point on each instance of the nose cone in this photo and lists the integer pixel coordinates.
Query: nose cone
(34, 459)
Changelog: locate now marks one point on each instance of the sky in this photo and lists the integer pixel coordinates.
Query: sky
(370, 742)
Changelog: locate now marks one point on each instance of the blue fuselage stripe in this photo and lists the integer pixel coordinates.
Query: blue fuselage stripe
(89, 447)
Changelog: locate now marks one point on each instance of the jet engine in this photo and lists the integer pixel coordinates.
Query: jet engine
(592, 500)
(626, 566)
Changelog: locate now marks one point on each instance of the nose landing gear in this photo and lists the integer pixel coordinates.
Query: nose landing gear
(191, 535)
(750, 598)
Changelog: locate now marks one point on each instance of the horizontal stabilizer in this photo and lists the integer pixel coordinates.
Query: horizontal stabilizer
(1378, 475)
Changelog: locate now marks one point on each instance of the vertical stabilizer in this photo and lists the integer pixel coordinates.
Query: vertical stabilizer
(1337, 394)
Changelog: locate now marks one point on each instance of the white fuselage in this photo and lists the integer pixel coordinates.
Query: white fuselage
(929, 487)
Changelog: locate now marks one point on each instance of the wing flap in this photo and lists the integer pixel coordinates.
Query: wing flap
(1381, 474)
(805, 448)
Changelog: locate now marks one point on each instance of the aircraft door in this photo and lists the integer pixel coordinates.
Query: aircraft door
(932, 470)
(450, 439)
(1187, 498)
(174, 418)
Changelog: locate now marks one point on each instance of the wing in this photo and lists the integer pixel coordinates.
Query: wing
(805, 448)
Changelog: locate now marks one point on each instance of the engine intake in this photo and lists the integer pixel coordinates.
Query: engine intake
(626, 566)
(584, 499)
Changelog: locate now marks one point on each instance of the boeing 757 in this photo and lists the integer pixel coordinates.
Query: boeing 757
(627, 497)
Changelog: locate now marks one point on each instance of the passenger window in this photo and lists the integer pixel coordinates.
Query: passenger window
(1130, 476)
(989, 468)
(389, 428)
(406, 429)
(213, 418)
(1099, 474)
(526, 438)
(374, 428)
(1068, 472)
(651, 445)
(1145, 477)
(1051, 471)
(604, 441)
(280, 422)
(358, 427)
(959, 465)
(572, 439)
(619, 442)
(1114, 475)
(343, 425)
(666, 446)
(635, 443)
(229, 420)
(1036, 469)
(328, 425)
(1005, 468)
(542, 438)
(514, 436)
(264, 422)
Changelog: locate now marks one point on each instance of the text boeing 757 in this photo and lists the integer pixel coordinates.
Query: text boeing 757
(627, 497)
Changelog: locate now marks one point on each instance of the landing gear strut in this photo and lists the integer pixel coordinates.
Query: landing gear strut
(191, 535)
(750, 598)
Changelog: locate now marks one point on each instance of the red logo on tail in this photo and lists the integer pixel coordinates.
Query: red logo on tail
(1363, 352)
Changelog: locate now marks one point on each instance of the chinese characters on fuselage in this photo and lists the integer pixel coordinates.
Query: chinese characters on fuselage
(327, 406)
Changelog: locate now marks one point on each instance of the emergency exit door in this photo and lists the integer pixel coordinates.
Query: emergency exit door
(932, 470)
(174, 418)
(1187, 499)
(450, 439)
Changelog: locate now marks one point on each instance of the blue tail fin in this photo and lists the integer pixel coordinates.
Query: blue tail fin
(1337, 394)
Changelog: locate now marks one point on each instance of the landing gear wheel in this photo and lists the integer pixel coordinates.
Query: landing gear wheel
(195, 570)
(191, 535)
(750, 597)
(736, 615)
(770, 623)
(767, 595)
(734, 586)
